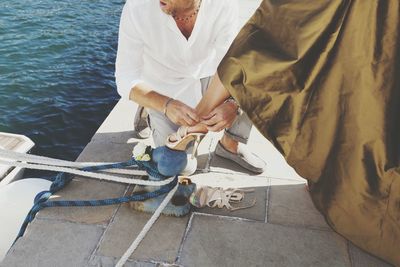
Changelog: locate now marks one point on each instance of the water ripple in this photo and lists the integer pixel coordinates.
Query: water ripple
(57, 71)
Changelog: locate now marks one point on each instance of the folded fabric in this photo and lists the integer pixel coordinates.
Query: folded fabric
(320, 79)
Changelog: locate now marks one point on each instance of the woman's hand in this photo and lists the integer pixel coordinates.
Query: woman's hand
(181, 114)
(221, 117)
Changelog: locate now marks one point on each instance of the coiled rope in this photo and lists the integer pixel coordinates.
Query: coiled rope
(66, 171)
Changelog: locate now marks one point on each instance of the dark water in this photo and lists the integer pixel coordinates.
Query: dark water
(57, 71)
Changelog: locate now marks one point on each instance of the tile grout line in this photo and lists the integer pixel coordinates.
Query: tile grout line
(61, 220)
(235, 174)
(231, 218)
(220, 170)
(155, 262)
(114, 259)
(307, 227)
(267, 193)
(92, 255)
(188, 227)
(239, 219)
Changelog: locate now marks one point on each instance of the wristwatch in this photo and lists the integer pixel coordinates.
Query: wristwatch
(239, 111)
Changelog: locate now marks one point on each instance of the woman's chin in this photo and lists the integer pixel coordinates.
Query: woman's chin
(166, 10)
(164, 7)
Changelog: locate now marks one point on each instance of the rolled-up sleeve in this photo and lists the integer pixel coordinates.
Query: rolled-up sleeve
(129, 62)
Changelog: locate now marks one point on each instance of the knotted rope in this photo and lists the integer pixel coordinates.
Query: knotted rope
(63, 178)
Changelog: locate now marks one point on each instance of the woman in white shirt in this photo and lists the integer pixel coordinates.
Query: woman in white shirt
(167, 52)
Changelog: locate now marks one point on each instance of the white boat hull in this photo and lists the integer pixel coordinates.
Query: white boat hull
(16, 200)
(17, 143)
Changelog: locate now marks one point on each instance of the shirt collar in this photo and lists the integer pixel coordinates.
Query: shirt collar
(170, 22)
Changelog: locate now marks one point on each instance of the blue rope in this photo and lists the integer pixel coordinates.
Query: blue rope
(62, 179)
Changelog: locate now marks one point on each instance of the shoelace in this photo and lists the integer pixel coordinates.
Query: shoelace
(220, 198)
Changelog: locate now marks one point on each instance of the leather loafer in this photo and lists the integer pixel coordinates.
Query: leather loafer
(244, 158)
(141, 126)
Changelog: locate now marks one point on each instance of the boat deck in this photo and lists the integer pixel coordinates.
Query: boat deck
(10, 142)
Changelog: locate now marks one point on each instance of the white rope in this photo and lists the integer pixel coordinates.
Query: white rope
(146, 228)
(8, 154)
(50, 164)
(100, 176)
(126, 171)
(18, 156)
(28, 158)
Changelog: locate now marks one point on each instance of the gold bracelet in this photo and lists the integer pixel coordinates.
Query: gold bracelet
(166, 105)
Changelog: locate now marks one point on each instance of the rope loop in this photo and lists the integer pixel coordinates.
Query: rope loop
(42, 196)
(63, 178)
(67, 170)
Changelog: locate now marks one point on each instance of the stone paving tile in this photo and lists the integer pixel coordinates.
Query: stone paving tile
(288, 181)
(214, 241)
(138, 264)
(127, 137)
(84, 188)
(49, 243)
(222, 165)
(227, 180)
(360, 258)
(98, 261)
(224, 180)
(276, 164)
(160, 244)
(290, 204)
(118, 126)
(254, 213)
(106, 151)
(276, 167)
(120, 119)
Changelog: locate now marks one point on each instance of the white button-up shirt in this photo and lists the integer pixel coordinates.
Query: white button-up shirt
(152, 49)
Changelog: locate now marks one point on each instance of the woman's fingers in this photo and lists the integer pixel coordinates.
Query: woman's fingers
(217, 127)
(189, 115)
(209, 116)
(181, 114)
(188, 120)
(192, 114)
(215, 123)
(212, 120)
